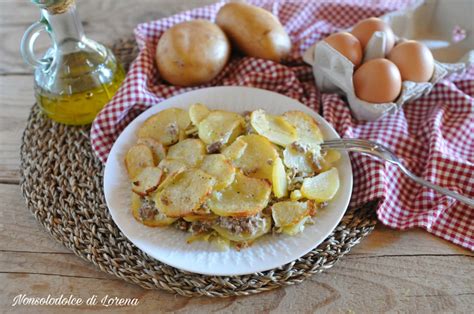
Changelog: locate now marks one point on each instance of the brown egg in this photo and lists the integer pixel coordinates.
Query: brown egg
(377, 81)
(347, 45)
(366, 28)
(414, 60)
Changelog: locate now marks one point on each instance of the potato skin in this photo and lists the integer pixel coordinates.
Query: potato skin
(192, 53)
(255, 31)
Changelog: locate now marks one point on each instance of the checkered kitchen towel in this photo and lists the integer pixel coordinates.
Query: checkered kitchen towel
(434, 135)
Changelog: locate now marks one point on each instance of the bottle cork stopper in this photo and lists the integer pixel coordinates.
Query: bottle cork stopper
(60, 6)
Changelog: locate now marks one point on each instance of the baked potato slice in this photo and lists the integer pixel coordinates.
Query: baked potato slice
(307, 128)
(197, 113)
(200, 217)
(185, 193)
(329, 159)
(191, 151)
(221, 127)
(137, 158)
(235, 150)
(258, 157)
(275, 128)
(170, 166)
(147, 181)
(157, 220)
(279, 181)
(166, 126)
(321, 187)
(295, 228)
(297, 160)
(218, 166)
(291, 212)
(246, 196)
(157, 149)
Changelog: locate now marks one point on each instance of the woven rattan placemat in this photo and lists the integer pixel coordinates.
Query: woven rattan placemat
(62, 185)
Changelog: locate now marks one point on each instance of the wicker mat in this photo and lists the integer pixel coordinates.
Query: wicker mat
(62, 185)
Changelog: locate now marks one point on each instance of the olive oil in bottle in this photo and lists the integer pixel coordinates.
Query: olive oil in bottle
(77, 76)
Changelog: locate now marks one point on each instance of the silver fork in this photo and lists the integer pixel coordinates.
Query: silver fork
(378, 150)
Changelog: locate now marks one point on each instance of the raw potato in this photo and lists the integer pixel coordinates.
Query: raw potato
(147, 181)
(159, 220)
(244, 197)
(138, 157)
(171, 166)
(221, 127)
(306, 127)
(197, 113)
(275, 128)
(191, 151)
(192, 53)
(290, 212)
(255, 31)
(322, 187)
(262, 229)
(157, 149)
(280, 184)
(235, 150)
(258, 157)
(219, 167)
(166, 126)
(177, 199)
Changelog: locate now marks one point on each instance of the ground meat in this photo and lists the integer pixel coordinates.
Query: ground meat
(240, 225)
(214, 147)
(200, 226)
(182, 225)
(148, 210)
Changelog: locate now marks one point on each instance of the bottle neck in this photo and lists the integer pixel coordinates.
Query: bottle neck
(65, 26)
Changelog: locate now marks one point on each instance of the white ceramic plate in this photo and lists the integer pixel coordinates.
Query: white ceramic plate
(169, 245)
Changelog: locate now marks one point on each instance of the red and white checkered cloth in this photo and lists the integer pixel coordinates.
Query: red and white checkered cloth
(434, 135)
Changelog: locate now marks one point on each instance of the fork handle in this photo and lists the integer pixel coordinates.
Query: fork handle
(435, 187)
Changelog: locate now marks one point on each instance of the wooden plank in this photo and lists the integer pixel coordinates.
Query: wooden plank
(406, 284)
(104, 21)
(16, 99)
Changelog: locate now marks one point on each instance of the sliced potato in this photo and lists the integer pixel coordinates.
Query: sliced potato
(305, 125)
(322, 187)
(170, 166)
(244, 197)
(196, 217)
(166, 126)
(191, 151)
(331, 157)
(147, 181)
(258, 157)
(295, 228)
(157, 149)
(197, 113)
(186, 192)
(159, 220)
(138, 157)
(297, 160)
(275, 128)
(235, 150)
(279, 182)
(290, 212)
(263, 227)
(220, 127)
(169, 178)
(218, 166)
(296, 195)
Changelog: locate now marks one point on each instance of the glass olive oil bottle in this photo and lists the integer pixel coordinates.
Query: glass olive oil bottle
(77, 76)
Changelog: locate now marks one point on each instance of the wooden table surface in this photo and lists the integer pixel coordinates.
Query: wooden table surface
(410, 271)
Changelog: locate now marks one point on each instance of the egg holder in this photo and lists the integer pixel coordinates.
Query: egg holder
(333, 72)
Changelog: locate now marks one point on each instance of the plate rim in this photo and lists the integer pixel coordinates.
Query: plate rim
(155, 109)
